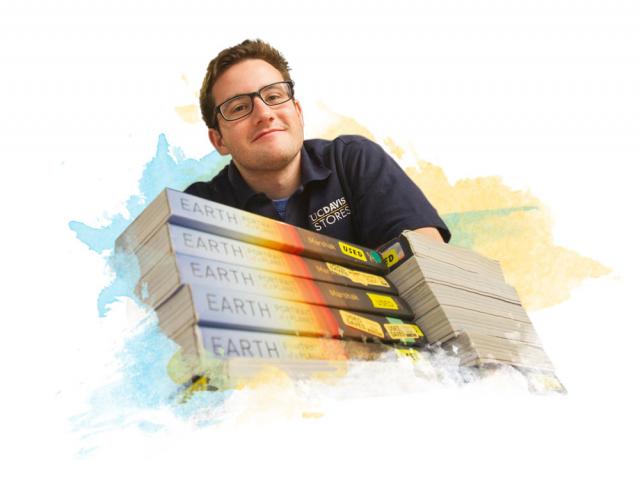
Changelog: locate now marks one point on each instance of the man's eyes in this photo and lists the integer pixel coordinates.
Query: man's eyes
(242, 105)
(240, 108)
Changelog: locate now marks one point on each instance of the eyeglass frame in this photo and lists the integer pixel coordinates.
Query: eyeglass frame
(252, 95)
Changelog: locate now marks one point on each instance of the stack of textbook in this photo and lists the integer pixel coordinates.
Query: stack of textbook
(226, 283)
(461, 300)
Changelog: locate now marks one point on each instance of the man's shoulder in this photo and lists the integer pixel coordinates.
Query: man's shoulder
(349, 148)
(338, 142)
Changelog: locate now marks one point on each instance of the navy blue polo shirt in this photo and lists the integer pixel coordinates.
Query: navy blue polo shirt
(351, 190)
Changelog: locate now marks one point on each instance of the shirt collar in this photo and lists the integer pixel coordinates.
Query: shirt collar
(241, 189)
(311, 171)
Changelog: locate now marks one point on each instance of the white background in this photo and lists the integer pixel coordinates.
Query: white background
(544, 94)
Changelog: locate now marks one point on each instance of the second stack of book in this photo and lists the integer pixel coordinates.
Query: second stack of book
(462, 300)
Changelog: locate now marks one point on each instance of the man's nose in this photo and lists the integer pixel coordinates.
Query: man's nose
(260, 109)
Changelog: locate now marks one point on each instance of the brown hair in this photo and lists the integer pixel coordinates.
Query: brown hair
(249, 49)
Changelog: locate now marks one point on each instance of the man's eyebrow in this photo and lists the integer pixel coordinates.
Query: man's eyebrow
(237, 95)
(249, 93)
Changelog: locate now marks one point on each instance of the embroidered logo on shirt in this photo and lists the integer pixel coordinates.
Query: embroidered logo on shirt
(330, 214)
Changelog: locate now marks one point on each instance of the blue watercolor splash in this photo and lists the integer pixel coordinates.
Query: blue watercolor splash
(145, 383)
(163, 171)
(145, 386)
(465, 226)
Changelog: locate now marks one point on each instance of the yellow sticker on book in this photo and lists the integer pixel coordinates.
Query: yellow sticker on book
(408, 352)
(361, 323)
(402, 331)
(362, 278)
(352, 251)
(393, 254)
(383, 301)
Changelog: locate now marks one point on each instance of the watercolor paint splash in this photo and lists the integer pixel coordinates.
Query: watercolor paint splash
(142, 388)
(189, 113)
(168, 168)
(146, 382)
(510, 226)
(483, 214)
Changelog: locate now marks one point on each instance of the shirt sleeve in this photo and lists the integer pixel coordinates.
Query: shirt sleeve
(385, 201)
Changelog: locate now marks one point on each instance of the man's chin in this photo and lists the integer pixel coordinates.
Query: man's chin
(268, 163)
(274, 164)
(276, 159)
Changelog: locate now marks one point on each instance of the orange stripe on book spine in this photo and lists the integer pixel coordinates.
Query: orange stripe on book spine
(325, 317)
(290, 238)
(297, 266)
(311, 292)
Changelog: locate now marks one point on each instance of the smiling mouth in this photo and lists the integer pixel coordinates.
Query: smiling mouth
(263, 134)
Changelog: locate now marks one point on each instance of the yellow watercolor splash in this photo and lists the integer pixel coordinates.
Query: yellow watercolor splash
(273, 392)
(511, 226)
(184, 369)
(188, 113)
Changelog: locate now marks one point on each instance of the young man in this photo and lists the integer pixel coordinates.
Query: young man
(348, 188)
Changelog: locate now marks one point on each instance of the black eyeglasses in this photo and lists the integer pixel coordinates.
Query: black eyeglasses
(241, 106)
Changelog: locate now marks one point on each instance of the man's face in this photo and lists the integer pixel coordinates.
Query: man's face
(270, 138)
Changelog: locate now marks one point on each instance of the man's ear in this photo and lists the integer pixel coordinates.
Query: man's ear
(299, 110)
(215, 137)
